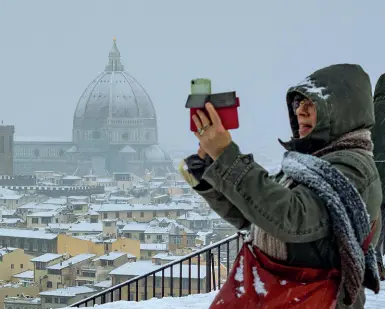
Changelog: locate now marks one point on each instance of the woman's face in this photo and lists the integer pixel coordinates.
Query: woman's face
(306, 113)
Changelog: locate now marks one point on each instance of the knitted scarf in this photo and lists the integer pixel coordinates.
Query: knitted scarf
(360, 139)
(348, 214)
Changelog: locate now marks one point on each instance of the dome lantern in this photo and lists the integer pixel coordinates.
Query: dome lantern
(114, 64)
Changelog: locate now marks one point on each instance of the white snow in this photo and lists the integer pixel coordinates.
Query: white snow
(198, 301)
(312, 88)
(69, 292)
(26, 234)
(44, 139)
(74, 260)
(239, 277)
(46, 257)
(203, 301)
(28, 274)
(259, 286)
(239, 273)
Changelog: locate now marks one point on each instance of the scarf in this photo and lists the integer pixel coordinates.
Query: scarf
(348, 214)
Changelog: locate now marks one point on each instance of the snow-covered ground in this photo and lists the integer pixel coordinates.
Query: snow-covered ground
(203, 301)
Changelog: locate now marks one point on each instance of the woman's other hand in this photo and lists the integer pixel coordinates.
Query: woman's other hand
(213, 137)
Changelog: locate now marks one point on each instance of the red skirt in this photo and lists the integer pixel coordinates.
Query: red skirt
(256, 281)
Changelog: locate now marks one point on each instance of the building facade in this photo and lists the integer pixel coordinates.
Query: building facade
(114, 130)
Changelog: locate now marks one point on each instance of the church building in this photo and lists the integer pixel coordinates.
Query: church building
(114, 130)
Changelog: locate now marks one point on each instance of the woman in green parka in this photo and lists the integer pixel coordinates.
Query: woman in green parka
(331, 114)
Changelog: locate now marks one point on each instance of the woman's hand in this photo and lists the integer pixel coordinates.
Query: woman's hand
(201, 153)
(213, 137)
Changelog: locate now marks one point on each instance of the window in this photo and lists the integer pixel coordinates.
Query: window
(54, 271)
(159, 237)
(117, 214)
(10, 144)
(21, 266)
(107, 224)
(141, 214)
(12, 266)
(158, 282)
(105, 215)
(148, 236)
(154, 213)
(2, 144)
(178, 213)
(48, 299)
(41, 265)
(49, 284)
(166, 213)
(46, 220)
(129, 214)
(35, 220)
(185, 283)
(128, 235)
(63, 300)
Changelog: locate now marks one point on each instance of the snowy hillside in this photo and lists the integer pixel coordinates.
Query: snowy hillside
(203, 301)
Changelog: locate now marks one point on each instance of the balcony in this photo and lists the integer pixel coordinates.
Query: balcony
(198, 290)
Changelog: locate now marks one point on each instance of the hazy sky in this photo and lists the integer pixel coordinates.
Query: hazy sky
(51, 50)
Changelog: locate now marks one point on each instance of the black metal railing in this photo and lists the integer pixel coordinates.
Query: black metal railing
(209, 264)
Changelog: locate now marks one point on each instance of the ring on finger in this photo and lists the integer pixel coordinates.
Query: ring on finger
(201, 131)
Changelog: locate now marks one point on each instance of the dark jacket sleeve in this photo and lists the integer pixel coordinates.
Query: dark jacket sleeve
(218, 202)
(378, 137)
(292, 215)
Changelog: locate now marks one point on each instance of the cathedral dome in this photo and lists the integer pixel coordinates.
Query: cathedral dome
(114, 93)
(155, 153)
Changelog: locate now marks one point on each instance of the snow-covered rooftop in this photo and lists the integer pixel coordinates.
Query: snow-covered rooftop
(110, 256)
(103, 284)
(46, 257)
(4, 192)
(86, 227)
(143, 207)
(45, 214)
(134, 226)
(26, 234)
(76, 259)
(135, 268)
(36, 206)
(24, 275)
(56, 201)
(68, 292)
(10, 197)
(141, 267)
(10, 220)
(154, 247)
(167, 257)
(4, 251)
(70, 177)
(44, 139)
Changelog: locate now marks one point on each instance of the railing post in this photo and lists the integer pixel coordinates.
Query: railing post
(208, 271)
(213, 270)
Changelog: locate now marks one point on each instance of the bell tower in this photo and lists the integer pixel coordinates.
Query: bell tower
(6, 149)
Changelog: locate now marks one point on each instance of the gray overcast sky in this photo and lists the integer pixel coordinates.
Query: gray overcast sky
(51, 50)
